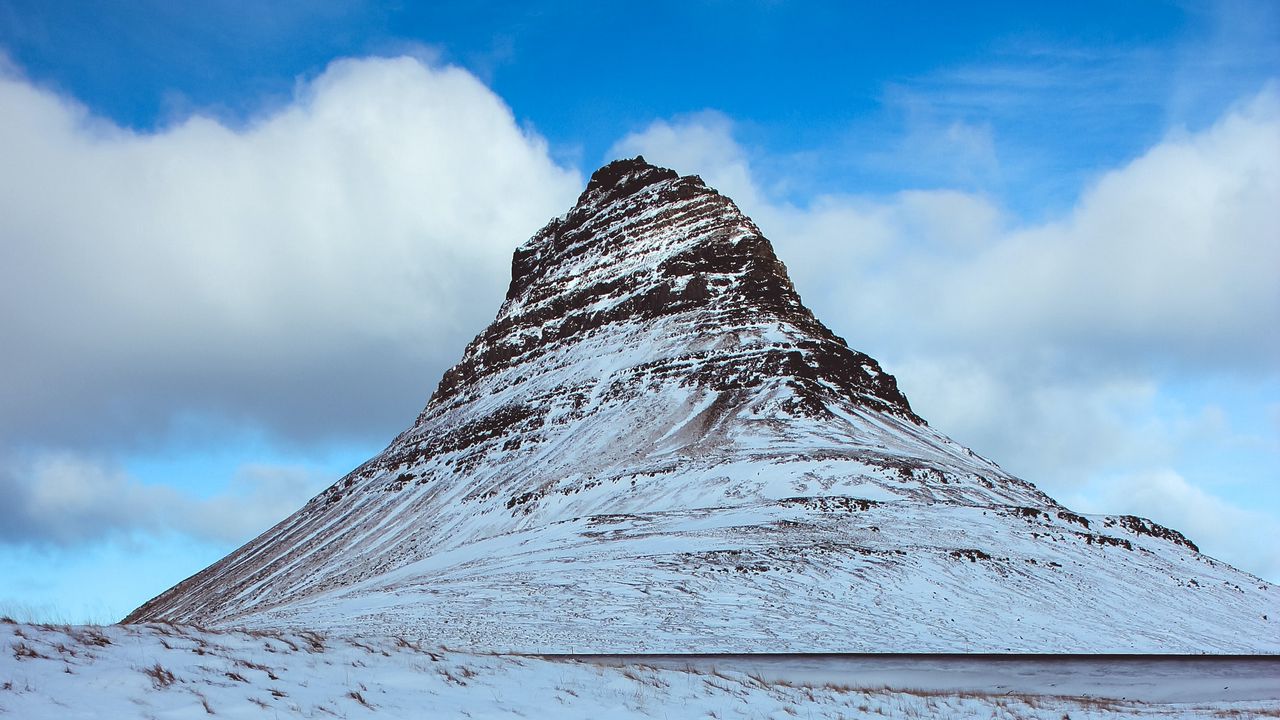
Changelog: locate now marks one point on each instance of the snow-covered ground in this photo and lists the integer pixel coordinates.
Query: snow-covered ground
(163, 671)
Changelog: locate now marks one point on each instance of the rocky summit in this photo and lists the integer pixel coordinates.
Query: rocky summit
(655, 447)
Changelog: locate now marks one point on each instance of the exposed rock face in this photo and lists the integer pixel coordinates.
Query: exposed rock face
(599, 268)
(655, 446)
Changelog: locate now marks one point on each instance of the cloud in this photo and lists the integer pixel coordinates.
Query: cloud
(1035, 115)
(310, 274)
(1172, 258)
(701, 142)
(1053, 428)
(64, 500)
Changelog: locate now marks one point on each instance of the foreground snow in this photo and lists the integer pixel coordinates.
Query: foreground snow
(162, 671)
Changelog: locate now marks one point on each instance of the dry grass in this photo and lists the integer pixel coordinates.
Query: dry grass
(90, 636)
(253, 666)
(314, 641)
(407, 644)
(23, 651)
(160, 677)
(450, 677)
(204, 702)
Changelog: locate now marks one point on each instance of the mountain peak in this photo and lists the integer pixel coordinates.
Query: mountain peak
(644, 245)
(623, 177)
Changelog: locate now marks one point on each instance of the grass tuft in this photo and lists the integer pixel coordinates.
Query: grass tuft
(160, 677)
(23, 651)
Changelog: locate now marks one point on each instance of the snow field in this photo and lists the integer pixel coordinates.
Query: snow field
(166, 671)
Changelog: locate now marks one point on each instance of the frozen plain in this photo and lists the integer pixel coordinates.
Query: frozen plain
(167, 671)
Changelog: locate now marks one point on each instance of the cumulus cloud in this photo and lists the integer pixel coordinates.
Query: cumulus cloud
(1050, 345)
(63, 499)
(1173, 258)
(311, 273)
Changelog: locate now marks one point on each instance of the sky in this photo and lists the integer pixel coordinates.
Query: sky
(240, 242)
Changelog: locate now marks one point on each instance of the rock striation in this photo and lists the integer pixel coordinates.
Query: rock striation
(655, 447)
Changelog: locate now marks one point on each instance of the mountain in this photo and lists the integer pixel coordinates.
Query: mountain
(656, 447)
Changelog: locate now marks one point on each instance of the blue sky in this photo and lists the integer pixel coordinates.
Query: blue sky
(239, 244)
(837, 80)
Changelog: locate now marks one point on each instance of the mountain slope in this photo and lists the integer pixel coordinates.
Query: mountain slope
(655, 438)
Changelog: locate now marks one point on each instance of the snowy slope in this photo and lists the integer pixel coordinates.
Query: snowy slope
(162, 671)
(656, 446)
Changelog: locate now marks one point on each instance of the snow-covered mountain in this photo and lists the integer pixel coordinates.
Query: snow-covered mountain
(656, 447)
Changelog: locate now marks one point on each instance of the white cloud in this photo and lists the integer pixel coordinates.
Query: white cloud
(702, 143)
(1174, 257)
(63, 499)
(1176, 254)
(297, 274)
(1052, 428)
